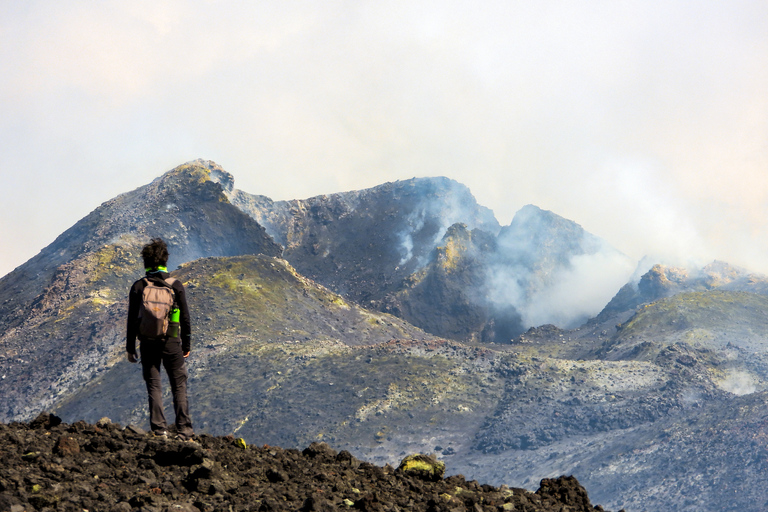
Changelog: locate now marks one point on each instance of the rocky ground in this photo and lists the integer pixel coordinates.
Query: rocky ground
(49, 465)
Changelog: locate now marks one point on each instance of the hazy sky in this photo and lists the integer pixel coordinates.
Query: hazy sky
(644, 121)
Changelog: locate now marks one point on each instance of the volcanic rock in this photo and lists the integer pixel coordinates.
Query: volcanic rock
(140, 473)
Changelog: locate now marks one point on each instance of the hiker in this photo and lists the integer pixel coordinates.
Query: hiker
(165, 340)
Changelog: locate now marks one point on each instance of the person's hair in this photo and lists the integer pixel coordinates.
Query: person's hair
(155, 253)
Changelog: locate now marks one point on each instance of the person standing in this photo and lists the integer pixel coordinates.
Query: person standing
(163, 347)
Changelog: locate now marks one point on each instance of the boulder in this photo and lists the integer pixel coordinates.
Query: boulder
(425, 467)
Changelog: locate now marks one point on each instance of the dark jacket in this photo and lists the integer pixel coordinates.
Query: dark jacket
(134, 303)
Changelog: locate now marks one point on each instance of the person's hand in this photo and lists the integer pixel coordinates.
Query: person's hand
(131, 357)
(186, 354)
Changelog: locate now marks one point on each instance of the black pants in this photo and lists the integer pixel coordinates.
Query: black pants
(168, 353)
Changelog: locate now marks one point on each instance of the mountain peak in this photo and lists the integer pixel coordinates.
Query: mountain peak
(545, 237)
(203, 175)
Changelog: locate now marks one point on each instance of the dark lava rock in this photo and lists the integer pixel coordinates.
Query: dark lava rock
(45, 420)
(66, 446)
(52, 466)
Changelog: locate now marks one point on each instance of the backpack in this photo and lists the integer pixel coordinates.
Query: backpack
(157, 301)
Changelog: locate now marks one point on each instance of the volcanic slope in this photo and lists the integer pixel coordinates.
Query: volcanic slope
(675, 416)
(62, 312)
(718, 307)
(447, 296)
(364, 243)
(282, 360)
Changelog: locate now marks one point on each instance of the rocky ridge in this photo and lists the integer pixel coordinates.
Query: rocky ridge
(49, 465)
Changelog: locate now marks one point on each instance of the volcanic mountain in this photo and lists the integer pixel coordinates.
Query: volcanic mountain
(404, 319)
(424, 250)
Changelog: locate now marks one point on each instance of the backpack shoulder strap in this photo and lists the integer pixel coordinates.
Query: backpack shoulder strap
(168, 283)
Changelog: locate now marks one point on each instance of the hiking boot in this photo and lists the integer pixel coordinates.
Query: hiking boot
(186, 439)
(160, 435)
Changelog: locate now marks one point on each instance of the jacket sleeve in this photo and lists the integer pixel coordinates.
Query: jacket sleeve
(132, 327)
(184, 321)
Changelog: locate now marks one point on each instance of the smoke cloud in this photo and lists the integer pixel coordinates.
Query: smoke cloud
(645, 122)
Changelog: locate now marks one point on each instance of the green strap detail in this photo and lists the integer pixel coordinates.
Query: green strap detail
(158, 269)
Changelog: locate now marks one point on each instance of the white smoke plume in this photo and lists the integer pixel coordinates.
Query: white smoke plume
(554, 272)
(578, 292)
(738, 383)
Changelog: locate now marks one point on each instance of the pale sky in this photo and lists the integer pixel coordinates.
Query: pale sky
(644, 121)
